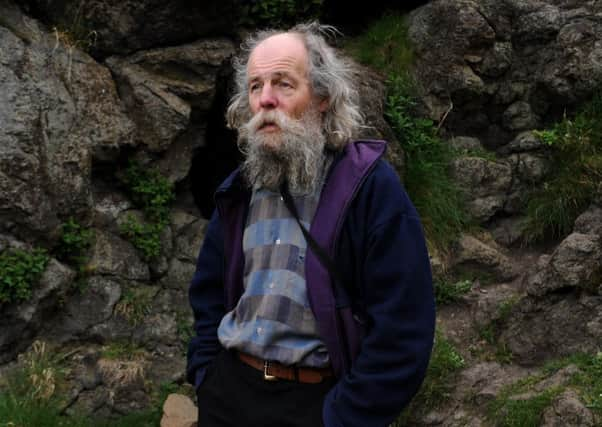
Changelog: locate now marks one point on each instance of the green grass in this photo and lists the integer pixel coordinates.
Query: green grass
(20, 270)
(507, 411)
(135, 304)
(34, 394)
(437, 198)
(437, 386)
(449, 292)
(384, 46)
(576, 154)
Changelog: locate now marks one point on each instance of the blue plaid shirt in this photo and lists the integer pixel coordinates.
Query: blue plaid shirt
(273, 319)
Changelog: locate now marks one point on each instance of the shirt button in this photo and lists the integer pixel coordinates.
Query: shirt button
(259, 330)
(277, 241)
(271, 286)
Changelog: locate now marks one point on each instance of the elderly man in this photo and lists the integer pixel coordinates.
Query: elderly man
(312, 297)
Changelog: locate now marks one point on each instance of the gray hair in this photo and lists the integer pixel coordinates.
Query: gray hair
(330, 76)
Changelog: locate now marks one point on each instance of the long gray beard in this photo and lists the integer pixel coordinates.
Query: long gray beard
(295, 154)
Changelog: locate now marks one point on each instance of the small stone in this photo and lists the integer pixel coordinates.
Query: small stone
(179, 411)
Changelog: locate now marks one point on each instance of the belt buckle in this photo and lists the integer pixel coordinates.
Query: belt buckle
(266, 376)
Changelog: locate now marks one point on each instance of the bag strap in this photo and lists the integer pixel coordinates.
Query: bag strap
(315, 247)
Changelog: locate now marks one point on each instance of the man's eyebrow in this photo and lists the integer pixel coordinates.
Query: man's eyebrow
(276, 74)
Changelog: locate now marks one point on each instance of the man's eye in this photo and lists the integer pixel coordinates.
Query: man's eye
(285, 84)
(254, 87)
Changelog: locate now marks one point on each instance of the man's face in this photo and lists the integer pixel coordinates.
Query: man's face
(278, 82)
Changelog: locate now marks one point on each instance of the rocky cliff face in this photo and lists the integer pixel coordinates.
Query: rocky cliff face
(86, 87)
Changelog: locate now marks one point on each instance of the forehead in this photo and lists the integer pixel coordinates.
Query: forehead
(282, 53)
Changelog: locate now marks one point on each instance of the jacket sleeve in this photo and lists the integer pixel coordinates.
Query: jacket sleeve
(396, 287)
(206, 296)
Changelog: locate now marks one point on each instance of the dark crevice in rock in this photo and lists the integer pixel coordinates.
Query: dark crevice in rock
(213, 162)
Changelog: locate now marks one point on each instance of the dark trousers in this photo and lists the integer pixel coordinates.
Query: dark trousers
(234, 394)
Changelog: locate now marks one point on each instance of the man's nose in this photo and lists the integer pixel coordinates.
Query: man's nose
(268, 99)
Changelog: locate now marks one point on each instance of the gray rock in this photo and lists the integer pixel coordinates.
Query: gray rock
(466, 144)
(162, 87)
(508, 231)
(129, 25)
(19, 323)
(58, 110)
(552, 326)
(179, 275)
(189, 240)
(543, 23)
(86, 308)
(483, 381)
(576, 262)
(113, 256)
(519, 116)
(568, 410)
(590, 222)
(531, 56)
(486, 184)
(484, 256)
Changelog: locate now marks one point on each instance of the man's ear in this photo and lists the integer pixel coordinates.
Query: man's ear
(323, 105)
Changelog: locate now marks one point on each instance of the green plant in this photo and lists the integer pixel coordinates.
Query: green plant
(447, 292)
(384, 46)
(277, 13)
(31, 394)
(75, 240)
(122, 350)
(135, 304)
(150, 191)
(436, 197)
(19, 271)
(437, 386)
(144, 236)
(576, 156)
(73, 245)
(153, 193)
(509, 412)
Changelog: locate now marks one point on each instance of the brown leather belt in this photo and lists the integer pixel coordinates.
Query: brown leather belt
(272, 371)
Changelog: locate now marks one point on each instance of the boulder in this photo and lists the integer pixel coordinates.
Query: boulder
(179, 411)
(474, 253)
(20, 322)
(568, 410)
(506, 67)
(485, 183)
(121, 27)
(59, 111)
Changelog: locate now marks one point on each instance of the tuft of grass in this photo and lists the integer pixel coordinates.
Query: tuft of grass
(20, 270)
(437, 198)
(448, 293)
(576, 153)
(135, 304)
(522, 412)
(122, 350)
(445, 362)
(384, 46)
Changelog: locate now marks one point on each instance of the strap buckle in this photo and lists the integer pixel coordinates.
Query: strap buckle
(266, 376)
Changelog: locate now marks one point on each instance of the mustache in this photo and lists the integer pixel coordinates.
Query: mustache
(273, 117)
